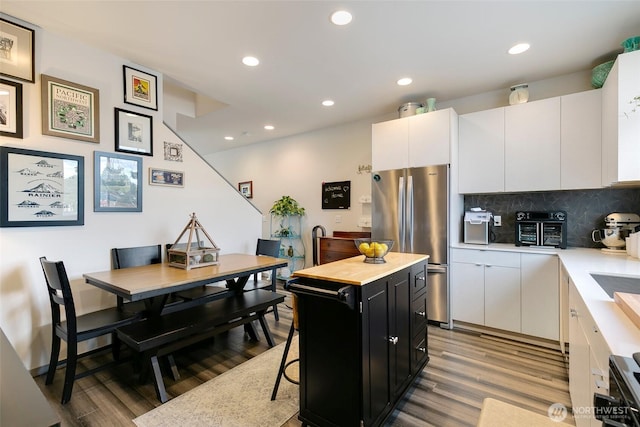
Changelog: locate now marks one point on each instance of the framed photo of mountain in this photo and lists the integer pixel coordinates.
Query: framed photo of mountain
(40, 189)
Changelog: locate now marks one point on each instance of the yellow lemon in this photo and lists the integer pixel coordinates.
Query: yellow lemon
(364, 246)
(384, 246)
(369, 252)
(379, 250)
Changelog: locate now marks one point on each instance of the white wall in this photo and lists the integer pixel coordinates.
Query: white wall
(297, 166)
(229, 219)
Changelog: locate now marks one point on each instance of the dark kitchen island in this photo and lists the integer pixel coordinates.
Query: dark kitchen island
(362, 335)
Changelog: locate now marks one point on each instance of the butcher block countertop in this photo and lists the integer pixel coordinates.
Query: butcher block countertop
(354, 271)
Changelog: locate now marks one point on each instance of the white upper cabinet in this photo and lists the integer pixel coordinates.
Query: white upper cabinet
(389, 144)
(430, 137)
(581, 140)
(532, 146)
(621, 121)
(481, 152)
(414, 141)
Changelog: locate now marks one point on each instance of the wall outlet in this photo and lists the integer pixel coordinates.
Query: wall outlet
(497, 220)
(338, 219)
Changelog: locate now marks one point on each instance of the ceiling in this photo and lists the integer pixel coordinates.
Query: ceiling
(450, 49)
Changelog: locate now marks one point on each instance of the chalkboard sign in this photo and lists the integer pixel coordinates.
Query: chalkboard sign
(336, 195)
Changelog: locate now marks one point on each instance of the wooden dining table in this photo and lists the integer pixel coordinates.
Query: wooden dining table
(154, 283)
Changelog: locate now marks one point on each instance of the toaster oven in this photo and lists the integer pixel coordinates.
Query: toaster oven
(538, 228)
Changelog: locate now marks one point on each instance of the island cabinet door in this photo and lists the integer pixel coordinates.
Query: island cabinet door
(387, 344)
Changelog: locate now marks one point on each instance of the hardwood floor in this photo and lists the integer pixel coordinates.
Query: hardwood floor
(464, 369)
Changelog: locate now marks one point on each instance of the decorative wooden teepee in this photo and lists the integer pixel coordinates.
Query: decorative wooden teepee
(193, 254)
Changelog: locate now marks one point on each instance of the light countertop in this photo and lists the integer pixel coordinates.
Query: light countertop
(619, 332)
(354, 271)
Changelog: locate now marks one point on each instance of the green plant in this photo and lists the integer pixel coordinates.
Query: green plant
(286, 206)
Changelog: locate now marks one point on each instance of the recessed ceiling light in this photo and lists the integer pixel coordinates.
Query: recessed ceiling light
(404, 81)
(341, 17)
(519, 48)
(250, 61)
(269, 127)
(328, 103)
(228, 138)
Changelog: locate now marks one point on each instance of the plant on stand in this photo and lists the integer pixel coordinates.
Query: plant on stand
(284, 207)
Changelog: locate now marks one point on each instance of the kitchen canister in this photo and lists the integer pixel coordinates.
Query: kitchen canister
(408, 109)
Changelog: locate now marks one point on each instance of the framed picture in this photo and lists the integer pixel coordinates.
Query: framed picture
(165, 177)
(134, 132)
(116, 183)
(10, 109)
(140, 88)
(246, 189)
(40, 189)
(17, 51)
(172, 151)
(70, 110)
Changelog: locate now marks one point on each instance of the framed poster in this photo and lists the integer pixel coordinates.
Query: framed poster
(246, 189)
(140, 88)
(172, 151)
(70, 110)
(116, 183)
(17, 51)
(166, 178)
(40, 189)
(336, 195)
(10, 109)
(134, 132)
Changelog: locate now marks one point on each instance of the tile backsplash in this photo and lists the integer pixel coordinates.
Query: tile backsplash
(585, 209)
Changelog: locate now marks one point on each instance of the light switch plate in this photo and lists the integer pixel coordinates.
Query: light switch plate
(497, 220)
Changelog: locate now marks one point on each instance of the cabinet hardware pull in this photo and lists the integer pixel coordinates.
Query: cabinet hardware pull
(393, 340)
(422, 349)
(573, 312)
(421, 314)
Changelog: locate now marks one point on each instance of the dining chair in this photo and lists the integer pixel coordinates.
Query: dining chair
(134, 257)
(76, 328)
(269, 248)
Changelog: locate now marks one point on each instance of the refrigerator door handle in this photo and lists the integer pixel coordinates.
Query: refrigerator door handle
(409, 212)
(401, 213)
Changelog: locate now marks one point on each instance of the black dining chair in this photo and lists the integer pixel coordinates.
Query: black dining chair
(134, 257)
(76, 328)
(269, 248)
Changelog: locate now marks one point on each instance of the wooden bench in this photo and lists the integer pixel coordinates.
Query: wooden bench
(158, 336)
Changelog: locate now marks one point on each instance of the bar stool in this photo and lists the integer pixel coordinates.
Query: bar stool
(284, 364)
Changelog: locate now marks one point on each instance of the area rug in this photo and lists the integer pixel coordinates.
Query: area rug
(240, 397)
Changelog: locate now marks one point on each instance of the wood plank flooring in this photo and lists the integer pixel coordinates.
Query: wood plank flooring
(465, 368)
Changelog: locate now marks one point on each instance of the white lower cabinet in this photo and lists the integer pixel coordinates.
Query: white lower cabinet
(511, 291)
(502, 296)
(588, 361)
(486, 288)
(540, 295)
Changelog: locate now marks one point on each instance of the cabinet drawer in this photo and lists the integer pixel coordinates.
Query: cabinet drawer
(420, 354)
(419, 316)
(419, 279)
(484, 257)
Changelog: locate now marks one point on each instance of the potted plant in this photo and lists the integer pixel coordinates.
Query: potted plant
(284, 207)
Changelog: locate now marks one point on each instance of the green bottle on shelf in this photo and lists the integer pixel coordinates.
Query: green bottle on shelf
(290, 251)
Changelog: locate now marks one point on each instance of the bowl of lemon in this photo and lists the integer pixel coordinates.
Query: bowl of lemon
(374, 250)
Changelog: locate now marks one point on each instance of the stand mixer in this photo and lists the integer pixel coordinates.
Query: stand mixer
(618, 227)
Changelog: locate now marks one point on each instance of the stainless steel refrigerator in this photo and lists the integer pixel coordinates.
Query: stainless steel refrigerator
(411, 207)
